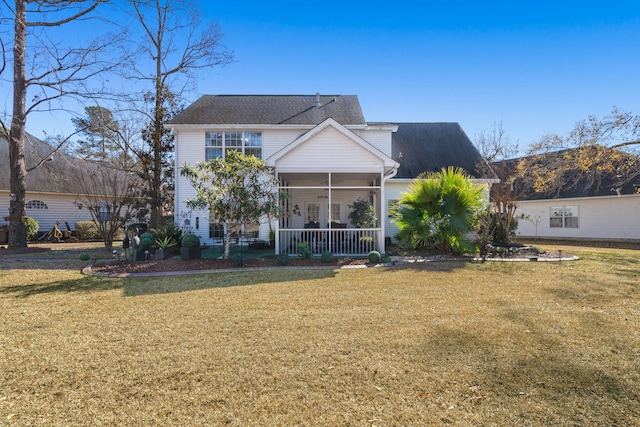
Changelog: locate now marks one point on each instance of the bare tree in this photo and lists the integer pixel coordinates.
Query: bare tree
(175, 44)
(495, 144)
(54, 73)
(496, 148)
(108, 194)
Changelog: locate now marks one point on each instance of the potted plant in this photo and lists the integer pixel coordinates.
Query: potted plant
(190, 247)
(164, 247)
(143, 249)
(363, 214)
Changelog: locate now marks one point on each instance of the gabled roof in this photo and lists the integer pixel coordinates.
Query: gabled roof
(52, 176)
(428, 147)
(271, 110)
(388, 163)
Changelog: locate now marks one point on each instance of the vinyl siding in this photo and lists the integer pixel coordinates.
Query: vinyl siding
(61, 209)
(329, 150)
(614, 218)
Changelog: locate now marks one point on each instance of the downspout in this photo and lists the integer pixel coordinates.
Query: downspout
(383, 202)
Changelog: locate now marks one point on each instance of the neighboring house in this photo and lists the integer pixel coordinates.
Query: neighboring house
(325, 156)
(51, 189)
(607, 211)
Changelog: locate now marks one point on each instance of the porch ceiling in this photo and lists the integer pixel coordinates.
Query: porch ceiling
(337, 179)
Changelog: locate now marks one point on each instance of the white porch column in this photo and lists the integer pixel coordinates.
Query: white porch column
(383, 216)
(277, 229)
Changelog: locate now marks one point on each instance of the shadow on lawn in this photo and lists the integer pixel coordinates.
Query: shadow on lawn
(430, 265)
(83, 284)
(552, 381)
(183, 283)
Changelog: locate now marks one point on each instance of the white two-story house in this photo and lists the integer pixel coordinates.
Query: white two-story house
(324, 155)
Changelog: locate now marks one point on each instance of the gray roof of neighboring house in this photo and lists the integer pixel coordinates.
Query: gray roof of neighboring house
(271, 110)
(604, 184)
(51, 176)
(420, 147)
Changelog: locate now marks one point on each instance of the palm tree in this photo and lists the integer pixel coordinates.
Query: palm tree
(438, 210)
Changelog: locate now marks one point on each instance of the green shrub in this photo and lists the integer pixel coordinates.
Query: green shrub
(237, 260)
(304, 251)
(87, 230)
(146, 235)
(145, 242)
(190, 240)
(283, 258)
(170, 232)
(32, 227)
(326, 257)
(85, 257)
(374, 257)
(363, 214)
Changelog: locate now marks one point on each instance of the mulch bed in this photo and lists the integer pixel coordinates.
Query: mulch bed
(176, 264)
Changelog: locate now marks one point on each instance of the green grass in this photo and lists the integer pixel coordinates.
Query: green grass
(441, 343)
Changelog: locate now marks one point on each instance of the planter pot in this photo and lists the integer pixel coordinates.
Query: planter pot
(140, 255)
(187, 254)
(163, 254)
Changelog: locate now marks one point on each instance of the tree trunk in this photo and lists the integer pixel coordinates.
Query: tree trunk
(17, 182)
(156, 199)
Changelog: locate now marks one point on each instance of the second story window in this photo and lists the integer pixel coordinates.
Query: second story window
(217, 144)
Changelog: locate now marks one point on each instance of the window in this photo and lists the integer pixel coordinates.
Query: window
(564, 217)
(313, 212)
(216, 230)
(335, 212)
(217, 144)
(36, 204)
(106, 212)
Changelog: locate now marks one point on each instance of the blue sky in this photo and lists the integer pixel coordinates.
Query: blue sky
(536, 66)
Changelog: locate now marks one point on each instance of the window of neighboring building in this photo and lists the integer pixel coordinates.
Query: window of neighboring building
(36, 204)
(217, 144)
(564, 217)
(105, 212)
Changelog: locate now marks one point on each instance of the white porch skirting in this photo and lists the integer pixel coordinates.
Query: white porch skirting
(340, 242)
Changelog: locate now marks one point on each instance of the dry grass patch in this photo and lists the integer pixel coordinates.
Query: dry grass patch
(463, 344)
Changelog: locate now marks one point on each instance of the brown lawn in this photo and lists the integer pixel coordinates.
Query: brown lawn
(441, 343)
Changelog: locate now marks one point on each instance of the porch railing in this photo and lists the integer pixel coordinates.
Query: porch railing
(340, 242)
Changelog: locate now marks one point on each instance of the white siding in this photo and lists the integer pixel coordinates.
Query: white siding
(392, 191)
(274, 140)
(61, 209)
(615, 218)
(380, 139)
(329, 150)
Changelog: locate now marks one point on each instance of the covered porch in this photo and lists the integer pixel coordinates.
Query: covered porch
(317, 208)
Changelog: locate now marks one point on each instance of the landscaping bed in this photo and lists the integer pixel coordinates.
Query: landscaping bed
(176, 264)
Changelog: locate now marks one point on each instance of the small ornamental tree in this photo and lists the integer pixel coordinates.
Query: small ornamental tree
(236, 190)
(438, 210)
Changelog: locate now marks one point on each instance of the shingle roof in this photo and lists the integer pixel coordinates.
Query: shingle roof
(271, 110)
(604, 184)
(421, 147)
(50, 177)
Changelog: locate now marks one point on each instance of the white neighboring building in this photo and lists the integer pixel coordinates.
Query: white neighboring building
(582, 218)
(50, 190)
(325, 156)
